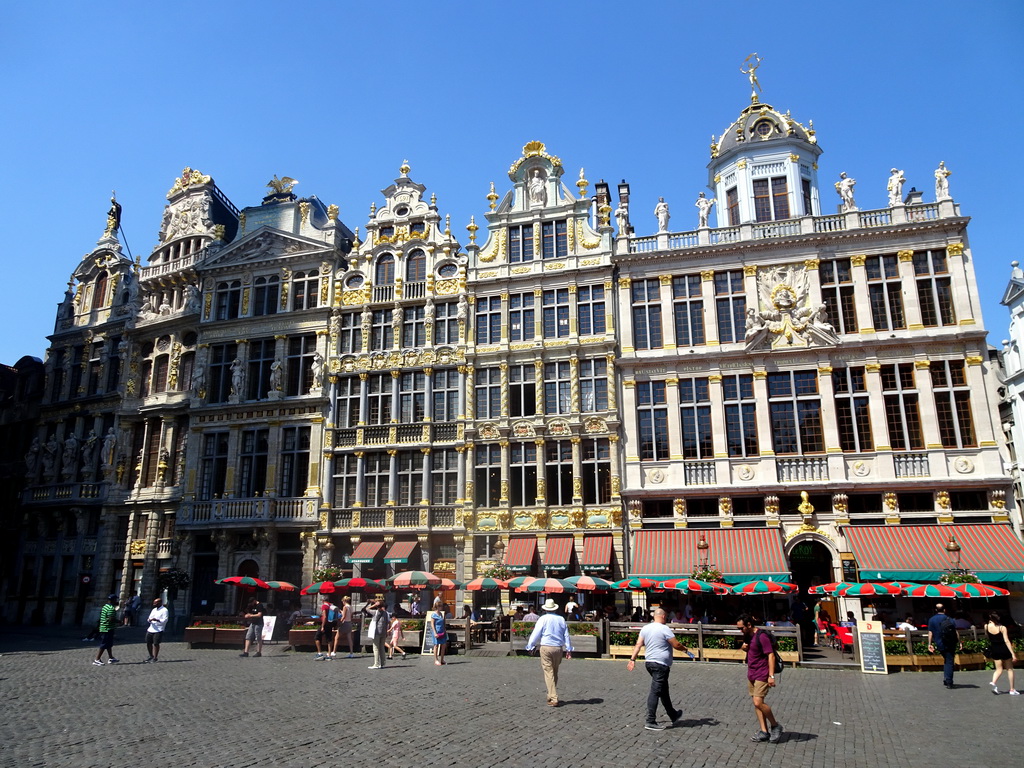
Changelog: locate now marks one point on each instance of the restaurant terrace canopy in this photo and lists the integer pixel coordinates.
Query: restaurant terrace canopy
(740, 554)
(918, 552)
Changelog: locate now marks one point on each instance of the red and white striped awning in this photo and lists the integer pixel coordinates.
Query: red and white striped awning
(597, 552)
(558, 552)
(520, 552)
(740, 554)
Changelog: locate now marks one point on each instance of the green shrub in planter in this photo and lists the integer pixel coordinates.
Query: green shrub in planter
(895, 648)
(974, 646)
(624, 638)
(785, 643)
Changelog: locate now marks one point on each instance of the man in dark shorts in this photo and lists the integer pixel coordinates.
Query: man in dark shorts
(155, 632)
(108, 616)
(760, 677)
(324, 637)
(254, 615)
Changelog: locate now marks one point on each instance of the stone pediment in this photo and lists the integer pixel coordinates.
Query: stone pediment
(265, 245)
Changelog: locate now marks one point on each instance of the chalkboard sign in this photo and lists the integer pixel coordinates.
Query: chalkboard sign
(849, 568)
(429, 641)
(871, 647)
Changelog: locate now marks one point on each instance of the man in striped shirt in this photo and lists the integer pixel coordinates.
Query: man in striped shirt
(108, 613)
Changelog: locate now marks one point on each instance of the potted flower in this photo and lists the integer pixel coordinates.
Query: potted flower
(521, 631)
(327, 573)
(622, 643)
(585, 635)
(201, 632)
(706, 573)
(229, 633)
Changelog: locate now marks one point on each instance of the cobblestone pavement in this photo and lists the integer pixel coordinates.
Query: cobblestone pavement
(211, 708)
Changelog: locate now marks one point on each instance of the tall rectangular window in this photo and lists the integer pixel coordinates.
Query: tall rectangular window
(853, 417)
(902, 416)
(446, 323)
(346, 478)
(522, 391)
(305, 290)
(412, 397)
(444, 476)
(740, 415)
(160, 368)
(688, 310)
(377, 475)
(695, 418)
(646, 298)
(597, 470)
(378, 398)
(795, 409)
(934, 289)
(731, 305)
(228, 300)
(805, 188)
(350, 341)
(261, 357)
(593, 385)
(382, 332)
(558, 469)
(953, 404)
(414, 329)
(590, 310)
(347, 407)
(885, 292)
(557, 387)
(556, 313)
(266, 290)
(520, 243)
(219, 380)
(301, 350)
(652, 420)
(522, 474)
(837, 292)
(487, 475)
(410, 478)
(446, 395)
(732, 204)
(488, 319)
(554, 244)
(252, 463)
(213, 465)
(521, 323)
(487, 393)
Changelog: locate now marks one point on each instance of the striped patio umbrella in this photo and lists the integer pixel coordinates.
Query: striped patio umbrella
(828, 589)
(588, 584)
(483, 584)
(903, 585)
(450, 584)
(414, 580)
(282, 586)
(553, 586)
(686, 586)
(358, 584)
(761, 587)
(319, 588)
(931, 590)
(868, 590)
(979, 590)
(519, 581)
(246, 582)
(636, 582)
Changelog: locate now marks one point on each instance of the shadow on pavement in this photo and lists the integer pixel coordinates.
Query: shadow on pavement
(580, 701)
(698, 722)
(797, 736)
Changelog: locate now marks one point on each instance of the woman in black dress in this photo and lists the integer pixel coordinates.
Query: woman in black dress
(1000, 650)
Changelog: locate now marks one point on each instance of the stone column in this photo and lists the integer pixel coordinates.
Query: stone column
(668, 325)
(964, 285)
(707, 292)
(675, 424)
(911, 302)
(764, 423)
(859, 277)
(624, 299)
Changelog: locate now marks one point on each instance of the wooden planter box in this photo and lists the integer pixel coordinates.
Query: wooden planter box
(199, 635)
(584, 643)
(724, 653)
(411, 639)
(519, 643)
(620, 650)
(789, 657)
(971, 660)
(901, 660)
(301, 638)
(230, 638)
(928, 661)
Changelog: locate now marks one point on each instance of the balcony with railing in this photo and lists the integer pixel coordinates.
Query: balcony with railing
(65, 492)
(699, 473)
(397, 434)
(217, 512)
(911, 464)
(388, 518)
(801, 469)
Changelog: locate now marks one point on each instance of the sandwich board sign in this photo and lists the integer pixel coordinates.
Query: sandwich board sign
(871, 647)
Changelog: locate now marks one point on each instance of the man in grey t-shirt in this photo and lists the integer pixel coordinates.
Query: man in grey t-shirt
(658, 641)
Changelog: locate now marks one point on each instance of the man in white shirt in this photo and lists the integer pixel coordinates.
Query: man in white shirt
(551, 634)
(657, 640)
(157, 623)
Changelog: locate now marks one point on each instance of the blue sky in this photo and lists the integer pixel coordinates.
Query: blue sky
(123, 95)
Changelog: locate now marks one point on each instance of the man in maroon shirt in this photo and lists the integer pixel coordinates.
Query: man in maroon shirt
(760, 677)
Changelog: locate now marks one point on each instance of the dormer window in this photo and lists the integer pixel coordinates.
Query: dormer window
(764, 128)
(417, 228)
(388, 231)
(99, 291)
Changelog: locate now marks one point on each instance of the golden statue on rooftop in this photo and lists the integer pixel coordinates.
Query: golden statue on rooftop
(282, 186)
(751, 73)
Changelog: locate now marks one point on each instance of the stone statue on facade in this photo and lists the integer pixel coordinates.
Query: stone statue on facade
(50, 458)
(199, 380)
(844, 188)
(895, 187)
(622, 218)
(704, 206)
(942, 182)
(276, 376)
(661, 213)
(89, 454)
(32, 458)
(69, 459)
(237, 376)
(193, 299)
(109, 446)
(786, 318)
(317, 369)
(537, 190)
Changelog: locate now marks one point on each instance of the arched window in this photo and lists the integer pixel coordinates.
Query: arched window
(186, 367)
(229, 300)
(385, 273)
(99, 291)
(160, 366)
(416, 267)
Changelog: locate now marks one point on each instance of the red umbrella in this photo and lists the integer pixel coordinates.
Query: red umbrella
(282, 586)
(246, 582)
(904, 585)
(979, 590)
(319, 587)
(414, 580)
(868, 590)
(482, 584)
(636, 582)
(449, 584)
(589, 583)
(546, 585)
(519, 581)
(932, 590)
(761, 587)
(359, 583)
(828, 589)
(691, 585)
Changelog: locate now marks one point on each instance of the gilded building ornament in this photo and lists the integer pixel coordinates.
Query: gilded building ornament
(665, 279)
(304, 212)
(749, 271)
(587, 244)
(974, 359)
(955, 249)
(922, 365)
(890, 500)
(858, 260)
(812, 263)
(533, 149)
(707, 275)
(942, 499)
(742, 164)
(188, 178)
(905, 255)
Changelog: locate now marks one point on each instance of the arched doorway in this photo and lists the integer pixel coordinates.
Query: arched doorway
(811, 562)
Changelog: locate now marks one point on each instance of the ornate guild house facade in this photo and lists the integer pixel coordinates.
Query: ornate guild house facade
(798, 392)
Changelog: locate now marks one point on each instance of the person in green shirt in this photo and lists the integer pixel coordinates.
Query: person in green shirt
(108, 614)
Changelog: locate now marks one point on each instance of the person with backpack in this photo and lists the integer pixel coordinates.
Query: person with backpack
(329, 614)
(763, 664)
(942, 636)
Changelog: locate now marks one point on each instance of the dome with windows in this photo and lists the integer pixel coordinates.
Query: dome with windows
(758, 124)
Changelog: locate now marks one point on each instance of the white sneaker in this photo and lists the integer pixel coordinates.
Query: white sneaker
(1015, 693)
(375, 666)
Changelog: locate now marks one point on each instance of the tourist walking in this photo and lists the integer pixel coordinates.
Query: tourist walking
(943, 637)
(1000, 650)
(760, 677)
(657, 642)
(155, 631)
(551, 635)
(325, 632)
(108, 618)
(395, 635)
(254, 615)
(378, 631)
(438, 623)
(344, 626)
